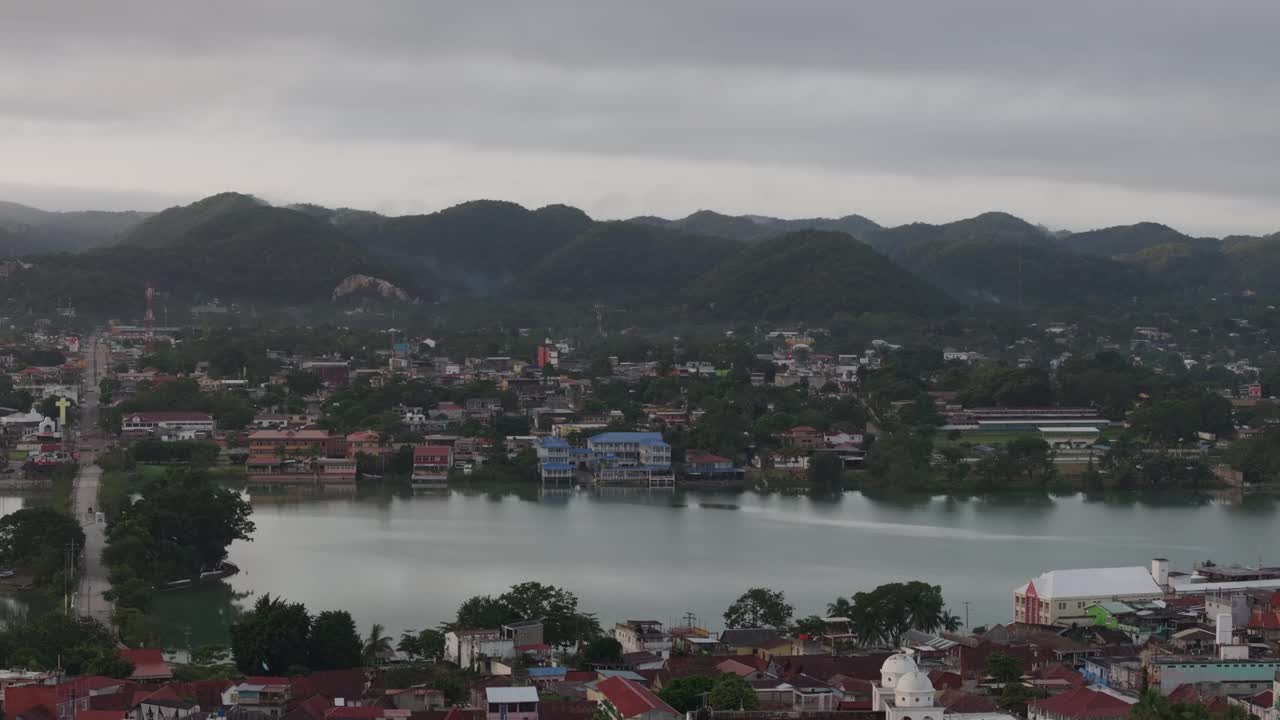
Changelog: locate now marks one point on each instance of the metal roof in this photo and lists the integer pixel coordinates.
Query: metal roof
(511, 694)
(1096, 582)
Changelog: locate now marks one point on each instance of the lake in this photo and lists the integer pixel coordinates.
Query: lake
(408, 562)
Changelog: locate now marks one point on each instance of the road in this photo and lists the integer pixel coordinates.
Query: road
(93, 579)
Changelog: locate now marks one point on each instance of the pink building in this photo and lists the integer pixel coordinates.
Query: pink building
(431, 464)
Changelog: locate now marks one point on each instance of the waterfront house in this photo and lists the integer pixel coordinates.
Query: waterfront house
(290, 457)
(554, 463)
(704, 467)
(368, 442)
(431, 464)
(631, 458)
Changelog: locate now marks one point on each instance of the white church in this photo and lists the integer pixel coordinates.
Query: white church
(906, 693)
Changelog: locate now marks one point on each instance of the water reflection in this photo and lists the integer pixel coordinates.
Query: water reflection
(197, 616)
(408, 560)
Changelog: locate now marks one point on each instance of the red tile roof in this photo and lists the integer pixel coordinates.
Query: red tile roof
(736, 668)
(1058, 671)
(1083, 703)
(959, 701)
(823, 667)
(20, 699)
(122, 700)
(289, 435)
(206, 693)
(566, 709)
(347, 684)
(943, 680)
(1264, 699)
(100, 715)
(148, 663)
(313, 707)
(349, 712)
(1268, 620)
(631, 698)
(266, 680)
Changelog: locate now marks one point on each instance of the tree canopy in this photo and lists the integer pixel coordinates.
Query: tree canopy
(557, 608)
(79, 646)
(759, 608)
(881, 616)
(33, 539)
(181, 526)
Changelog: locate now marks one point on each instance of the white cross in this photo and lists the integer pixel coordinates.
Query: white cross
(62, 405)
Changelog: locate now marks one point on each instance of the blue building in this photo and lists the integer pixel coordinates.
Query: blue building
(631, 458)
(554, 462)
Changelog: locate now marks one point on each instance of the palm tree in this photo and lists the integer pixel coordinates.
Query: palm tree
(840, 608)
(950, 621)
(377, 645)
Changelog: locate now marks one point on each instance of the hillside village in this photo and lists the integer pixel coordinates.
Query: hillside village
(1200, 642)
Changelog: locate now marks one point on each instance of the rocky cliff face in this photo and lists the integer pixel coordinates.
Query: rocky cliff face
(353, 284)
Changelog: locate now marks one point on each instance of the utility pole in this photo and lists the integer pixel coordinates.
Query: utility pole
(966, 614)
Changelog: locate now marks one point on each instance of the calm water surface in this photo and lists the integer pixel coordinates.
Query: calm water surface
(408, 562)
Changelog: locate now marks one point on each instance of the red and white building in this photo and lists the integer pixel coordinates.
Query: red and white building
(431, 464)
(180, 423)
(302, 457)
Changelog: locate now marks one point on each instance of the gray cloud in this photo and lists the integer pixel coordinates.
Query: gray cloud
(1078, 114)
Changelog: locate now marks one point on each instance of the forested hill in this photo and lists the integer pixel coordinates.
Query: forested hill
(716, 267)
(26, 229)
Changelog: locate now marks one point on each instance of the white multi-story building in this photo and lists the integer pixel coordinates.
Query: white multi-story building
(631, 458)
(554, 462)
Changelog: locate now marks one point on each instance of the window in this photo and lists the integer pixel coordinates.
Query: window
(1062, 606)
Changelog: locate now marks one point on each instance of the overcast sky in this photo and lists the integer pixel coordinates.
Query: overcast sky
(1075, 114)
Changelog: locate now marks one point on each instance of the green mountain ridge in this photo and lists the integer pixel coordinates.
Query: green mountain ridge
(237, 247)
(813, 274)
(754, 228)
(621, 262)
(1130, 239)
(25, 229)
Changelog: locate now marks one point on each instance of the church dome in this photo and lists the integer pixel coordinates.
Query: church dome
(894, 667)
(915, 682)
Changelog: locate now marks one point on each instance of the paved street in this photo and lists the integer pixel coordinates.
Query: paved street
(93, 580)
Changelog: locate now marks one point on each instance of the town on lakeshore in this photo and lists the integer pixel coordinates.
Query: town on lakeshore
(675, 360)
(139, 450)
